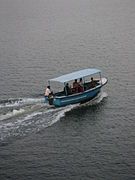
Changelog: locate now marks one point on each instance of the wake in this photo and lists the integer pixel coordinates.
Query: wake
(19, 102)
(19, 117)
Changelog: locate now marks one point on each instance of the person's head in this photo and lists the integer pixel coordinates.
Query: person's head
(80, 79)
(75, 80)
(66, 84)
(48, 87)
(91, 78)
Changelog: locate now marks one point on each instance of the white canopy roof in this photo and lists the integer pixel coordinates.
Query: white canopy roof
(76, 75)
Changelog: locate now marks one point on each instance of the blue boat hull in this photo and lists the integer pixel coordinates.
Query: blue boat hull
(76, 98)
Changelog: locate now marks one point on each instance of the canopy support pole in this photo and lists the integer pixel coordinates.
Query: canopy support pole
(100, 78)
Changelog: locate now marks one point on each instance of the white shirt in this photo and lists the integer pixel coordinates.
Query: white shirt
(47, 92)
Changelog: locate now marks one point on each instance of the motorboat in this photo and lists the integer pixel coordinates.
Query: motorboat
(92, 83)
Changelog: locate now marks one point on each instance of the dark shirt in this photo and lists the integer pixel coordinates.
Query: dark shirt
(67, 90)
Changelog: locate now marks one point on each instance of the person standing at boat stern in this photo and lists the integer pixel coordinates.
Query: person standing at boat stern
(47, 93)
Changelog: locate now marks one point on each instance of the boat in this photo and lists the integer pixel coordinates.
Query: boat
(87, 93)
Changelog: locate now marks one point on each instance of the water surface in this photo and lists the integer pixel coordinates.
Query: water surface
(44, 39)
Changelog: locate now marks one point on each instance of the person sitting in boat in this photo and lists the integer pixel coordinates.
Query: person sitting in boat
(75, 86)
(81, 88)
(93, 83)
(67, 89)
(47, 93)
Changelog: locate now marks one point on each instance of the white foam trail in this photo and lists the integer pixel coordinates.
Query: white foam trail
(20, 102)
(29, 123)
(24, 110)
(14, 128)
(32, 100)
(30, 116)
(58, 113)
(61, 113)
(37, 118)
(11, 114)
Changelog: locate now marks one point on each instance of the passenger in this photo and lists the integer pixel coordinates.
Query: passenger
(47, 93)
(67, 89)
(75, 86)
(80, 88)
(93, 83)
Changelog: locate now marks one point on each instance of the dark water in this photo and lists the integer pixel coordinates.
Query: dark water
(46, 38)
